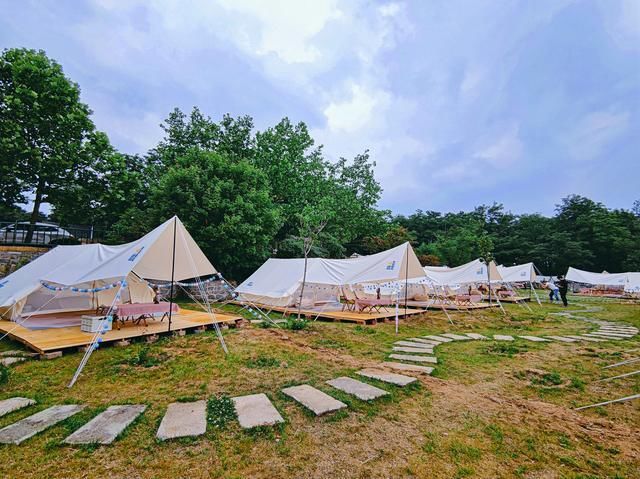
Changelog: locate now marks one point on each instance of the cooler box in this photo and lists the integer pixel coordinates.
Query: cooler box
(92, 324)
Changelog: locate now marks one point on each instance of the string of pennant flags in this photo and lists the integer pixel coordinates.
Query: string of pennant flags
(50, 287)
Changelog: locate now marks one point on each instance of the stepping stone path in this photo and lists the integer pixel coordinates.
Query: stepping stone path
(32, 425)
(408, 367)
(457, 337)
(13, 404)
(534, 338)
(106, 426)
(503, 337)
(414, 345)
(183, 419)
(476, 336)
(417, 359)
(391, 378)
(404, 349)
(441, 339)
(562, 339)
(616, 335)
(256, 410)
(314, 399)
(362, 391)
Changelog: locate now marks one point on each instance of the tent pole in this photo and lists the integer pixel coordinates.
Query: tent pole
(173, 269)
(406, 281)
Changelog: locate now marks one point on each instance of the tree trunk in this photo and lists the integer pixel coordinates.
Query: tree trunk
(36, 210)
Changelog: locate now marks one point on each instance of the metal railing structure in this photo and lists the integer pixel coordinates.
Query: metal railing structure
(47, 234)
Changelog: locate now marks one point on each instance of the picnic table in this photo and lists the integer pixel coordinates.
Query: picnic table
(137, 312)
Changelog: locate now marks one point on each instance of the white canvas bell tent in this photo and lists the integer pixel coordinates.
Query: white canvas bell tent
(476, 271)
(519, 273)
(65, 278)
(629, 282)
(278, 281)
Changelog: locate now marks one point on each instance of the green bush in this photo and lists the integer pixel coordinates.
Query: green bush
(144, 358)
(296, 324)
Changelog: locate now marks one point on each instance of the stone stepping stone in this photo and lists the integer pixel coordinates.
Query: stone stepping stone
(456, 337)
(314, 399)
(410, 344)
(32, 425)
(391, 378)
(503, 337)
(13, 404)
(363, 391)
(619, 335)
(18, 354)
(476, 336)
(183, 419)
(9, 361)
(619, 330)
(415, 359)
(535, 339)
(408, 367)
(598, 336)
(425, 341)
(404, 349)
(584, 338)
(441, 339)
(562, 339)
(106, 426)
(256, 410)
(607, 335)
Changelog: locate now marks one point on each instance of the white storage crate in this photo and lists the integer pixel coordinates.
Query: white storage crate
(92, 324)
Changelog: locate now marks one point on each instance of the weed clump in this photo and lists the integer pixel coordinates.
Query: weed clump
(144, 358)
(220, 412)
(262, 362)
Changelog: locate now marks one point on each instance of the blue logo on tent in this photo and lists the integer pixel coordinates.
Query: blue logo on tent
(250, 283)
(480, 271)
(3, 283)
(523, 274)
(135, 255)
(391, 266)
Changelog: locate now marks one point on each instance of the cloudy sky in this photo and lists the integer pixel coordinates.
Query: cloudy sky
(460, 102)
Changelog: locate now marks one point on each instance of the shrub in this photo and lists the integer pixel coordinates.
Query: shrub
(144, 358)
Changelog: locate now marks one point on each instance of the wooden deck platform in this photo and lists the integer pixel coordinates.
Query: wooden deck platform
(451, 306)
(58, 339)
(385, 314)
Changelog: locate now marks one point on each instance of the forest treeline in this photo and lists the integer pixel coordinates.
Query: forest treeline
(246, 195)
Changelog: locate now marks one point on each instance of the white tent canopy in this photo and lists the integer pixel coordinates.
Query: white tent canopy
(475, 271)
(96, 265)
(519, 273)
(630, 281)
(278, 281)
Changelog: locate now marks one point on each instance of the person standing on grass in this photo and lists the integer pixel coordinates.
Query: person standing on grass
(563, 286)
(553, 290)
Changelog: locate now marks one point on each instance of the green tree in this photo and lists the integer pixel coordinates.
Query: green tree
(43, 127)
(226, 206)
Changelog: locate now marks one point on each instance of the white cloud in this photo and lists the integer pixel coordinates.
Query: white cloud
(286, 28)
(594, 132)
(357, 111)
(506, 151)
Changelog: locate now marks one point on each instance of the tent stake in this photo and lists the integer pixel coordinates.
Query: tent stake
(628, 398)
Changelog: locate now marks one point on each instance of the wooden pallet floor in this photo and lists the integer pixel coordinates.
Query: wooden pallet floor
(385, 314)
(57, 339)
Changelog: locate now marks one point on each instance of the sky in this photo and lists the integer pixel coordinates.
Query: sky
(460, 103)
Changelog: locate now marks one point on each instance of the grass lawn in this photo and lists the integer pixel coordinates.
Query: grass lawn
(490, 409)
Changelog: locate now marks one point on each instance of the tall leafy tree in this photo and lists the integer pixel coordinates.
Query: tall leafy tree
(43, 126)
(225, 204)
